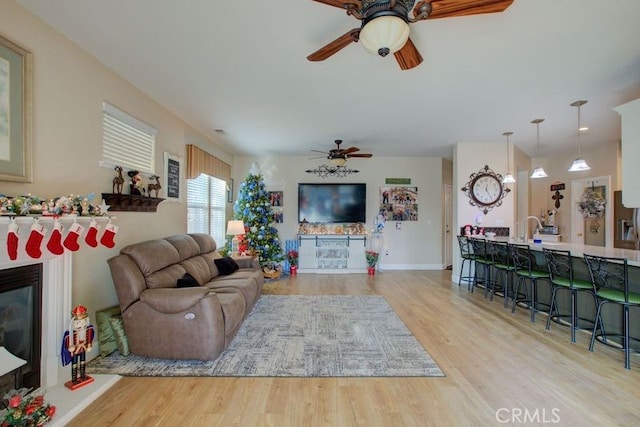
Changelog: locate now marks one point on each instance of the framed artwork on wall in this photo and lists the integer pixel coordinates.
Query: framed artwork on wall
(172, 177)
(15, 112)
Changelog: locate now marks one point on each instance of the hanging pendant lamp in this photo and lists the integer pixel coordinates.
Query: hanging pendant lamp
(538, 172)
(508, 178)
(579, 164)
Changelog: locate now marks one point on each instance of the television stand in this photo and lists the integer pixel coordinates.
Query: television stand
(332, 253)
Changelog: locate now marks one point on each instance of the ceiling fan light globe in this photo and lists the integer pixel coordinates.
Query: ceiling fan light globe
(384, 35)
(339, 161)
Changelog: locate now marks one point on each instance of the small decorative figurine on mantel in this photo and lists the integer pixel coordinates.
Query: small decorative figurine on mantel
(154, 187)
(136, 185)
(75, 343)
(118, 181)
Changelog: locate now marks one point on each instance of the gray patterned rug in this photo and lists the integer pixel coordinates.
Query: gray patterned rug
(302, 336)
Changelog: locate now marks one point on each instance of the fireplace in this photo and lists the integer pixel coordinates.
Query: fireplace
(21, 319)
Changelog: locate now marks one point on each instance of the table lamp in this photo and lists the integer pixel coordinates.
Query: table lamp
(235, 228)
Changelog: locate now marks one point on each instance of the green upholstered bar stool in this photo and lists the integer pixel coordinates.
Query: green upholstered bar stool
(466, 253)
(527, 270)
(504, 267)
(610, 279)
(483, 261)
(560, 265)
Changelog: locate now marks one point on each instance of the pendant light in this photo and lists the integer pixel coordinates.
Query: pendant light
(538, 172)
(579, 164)
(508, 178)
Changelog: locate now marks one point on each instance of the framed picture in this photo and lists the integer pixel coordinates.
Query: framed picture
(15, 112)
(276, 198)
(172, 177)
(230, 191)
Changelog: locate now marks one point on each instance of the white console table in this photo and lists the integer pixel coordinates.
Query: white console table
(332, 253)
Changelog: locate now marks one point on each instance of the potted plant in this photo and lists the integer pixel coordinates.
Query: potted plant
(292, 257)
(372, 259)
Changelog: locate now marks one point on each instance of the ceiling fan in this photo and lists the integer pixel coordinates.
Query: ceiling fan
(385, 24)
(339, 155)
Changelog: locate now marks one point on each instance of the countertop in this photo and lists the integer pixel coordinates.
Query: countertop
(578, 250)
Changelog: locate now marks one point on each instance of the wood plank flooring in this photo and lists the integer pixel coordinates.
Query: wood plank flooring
(500, 370)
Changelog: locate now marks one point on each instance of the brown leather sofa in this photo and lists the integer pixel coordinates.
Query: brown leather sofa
(164, 321)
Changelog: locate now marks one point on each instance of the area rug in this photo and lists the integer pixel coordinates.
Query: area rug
(302, 336)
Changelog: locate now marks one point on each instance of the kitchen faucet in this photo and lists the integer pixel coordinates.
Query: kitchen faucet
(526, 230)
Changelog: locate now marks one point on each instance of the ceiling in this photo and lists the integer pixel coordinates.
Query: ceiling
(237, 71)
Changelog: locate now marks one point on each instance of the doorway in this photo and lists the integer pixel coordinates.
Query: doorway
(592, 218)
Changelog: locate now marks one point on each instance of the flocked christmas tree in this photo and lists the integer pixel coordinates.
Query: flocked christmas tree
(254, 209)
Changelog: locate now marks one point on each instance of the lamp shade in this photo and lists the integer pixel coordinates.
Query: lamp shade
(579, 165)
(538, 172)
(384, 35)
(508, 179)
(235, 227)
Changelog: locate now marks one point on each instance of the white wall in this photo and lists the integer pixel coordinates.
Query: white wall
(68, 89)
(416, 245)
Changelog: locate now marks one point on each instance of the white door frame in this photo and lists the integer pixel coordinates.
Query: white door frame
(577, 222)
(447, 247)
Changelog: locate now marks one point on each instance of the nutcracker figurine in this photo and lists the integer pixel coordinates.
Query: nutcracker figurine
(75, 343)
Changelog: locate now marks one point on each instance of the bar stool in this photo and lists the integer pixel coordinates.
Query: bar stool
(483, 261)
(610, 279)
(526, 269)
(560, 266)
(466, 253)
(502, 263)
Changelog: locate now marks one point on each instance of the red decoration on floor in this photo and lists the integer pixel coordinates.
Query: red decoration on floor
(71, 241)
(55, 240)
(35, 240)
(12, 240)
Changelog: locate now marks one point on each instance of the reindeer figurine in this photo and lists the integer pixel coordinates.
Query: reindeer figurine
(154, 187)
(118, 181)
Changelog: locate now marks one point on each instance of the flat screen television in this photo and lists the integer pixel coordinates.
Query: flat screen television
(332, 203)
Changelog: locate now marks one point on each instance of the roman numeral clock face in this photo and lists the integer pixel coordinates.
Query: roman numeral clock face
(485, 189)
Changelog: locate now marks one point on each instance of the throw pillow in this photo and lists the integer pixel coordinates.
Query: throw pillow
(226, 265)
(121, 337)
(106, 338)
(187, 281)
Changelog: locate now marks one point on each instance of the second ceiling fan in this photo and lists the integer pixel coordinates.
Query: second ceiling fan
(385, 24)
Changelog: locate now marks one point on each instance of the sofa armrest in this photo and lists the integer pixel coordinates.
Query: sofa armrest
(174, 300)
(247, 261)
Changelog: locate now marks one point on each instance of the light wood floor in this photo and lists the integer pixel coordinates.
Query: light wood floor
(499, 367)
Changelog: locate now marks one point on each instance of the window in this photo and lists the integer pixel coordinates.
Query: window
(126, 141)
(206, 200)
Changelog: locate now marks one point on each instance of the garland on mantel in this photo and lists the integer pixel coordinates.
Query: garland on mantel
(73, 204)
(58, 242)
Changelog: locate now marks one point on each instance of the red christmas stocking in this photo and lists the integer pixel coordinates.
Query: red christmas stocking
(71, 241)
(12, 241)
(55, 241)
(108, 237)
(35, 240)
(92, 234)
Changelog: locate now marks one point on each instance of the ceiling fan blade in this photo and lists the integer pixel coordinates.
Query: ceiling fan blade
(450, 8)
(335, 46)
(408, 57)
(362, 155)
(318, 151)
(350, 150)
(342, 4)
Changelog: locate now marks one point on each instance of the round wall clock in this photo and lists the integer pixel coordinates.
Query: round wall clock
(485, 189)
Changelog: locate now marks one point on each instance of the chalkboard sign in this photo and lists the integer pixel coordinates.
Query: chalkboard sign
(172, 176)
